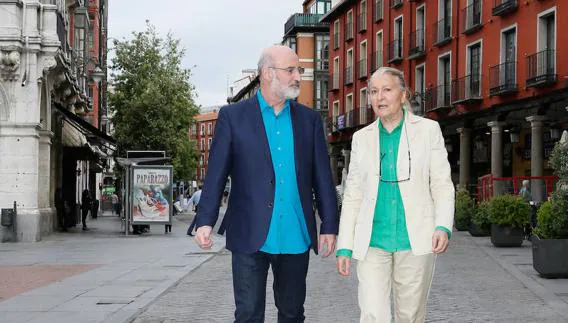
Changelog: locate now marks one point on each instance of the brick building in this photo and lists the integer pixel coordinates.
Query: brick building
(202, 133)
(488, 71)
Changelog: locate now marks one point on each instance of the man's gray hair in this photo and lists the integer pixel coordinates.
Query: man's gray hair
(264, 61)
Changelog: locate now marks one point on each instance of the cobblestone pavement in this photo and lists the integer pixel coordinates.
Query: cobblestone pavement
(469, 286)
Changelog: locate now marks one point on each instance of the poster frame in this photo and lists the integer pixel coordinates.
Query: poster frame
(132, 188)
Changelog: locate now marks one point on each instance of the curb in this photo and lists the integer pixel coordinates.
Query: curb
(553, 301)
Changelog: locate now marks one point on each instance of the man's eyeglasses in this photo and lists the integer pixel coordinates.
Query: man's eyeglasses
(290, 70)
(409, 163)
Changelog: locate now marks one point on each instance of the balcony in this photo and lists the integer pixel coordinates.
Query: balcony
(395, 51)
(348, 76)
(377, 60)
(395, 3)
(362, 22)
(417, 48)
(336, 40)
(467, 89)
(472, 21)
(362, 65)
(365, 115)
(503, 7)
(304, 22)
(335, 82)
(348, 31)
(541, 68)
(503, 78)
(378, 10)
(437, 98)
(443, 31)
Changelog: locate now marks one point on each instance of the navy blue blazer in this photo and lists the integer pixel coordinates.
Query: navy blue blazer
(240, 149)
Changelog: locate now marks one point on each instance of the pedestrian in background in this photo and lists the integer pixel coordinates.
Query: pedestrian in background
(274, 150)
(398, 205)
(115, 203)
(525, 191)
(85, 207)
(194, 201)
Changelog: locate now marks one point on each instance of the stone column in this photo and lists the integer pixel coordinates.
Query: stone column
(537, 157)
(465, 156)
(496, 153)
(44, 182)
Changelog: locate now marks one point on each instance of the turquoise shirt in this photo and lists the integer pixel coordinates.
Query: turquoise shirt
(389, 231)
(288, 232)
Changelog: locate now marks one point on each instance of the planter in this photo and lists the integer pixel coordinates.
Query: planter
(479, 230)
(549, 257)
(506, 236)
(461, 226)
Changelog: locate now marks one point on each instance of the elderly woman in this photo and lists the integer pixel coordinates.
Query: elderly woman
(398, 205)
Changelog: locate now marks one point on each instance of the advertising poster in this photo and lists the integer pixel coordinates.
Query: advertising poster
(151, 194)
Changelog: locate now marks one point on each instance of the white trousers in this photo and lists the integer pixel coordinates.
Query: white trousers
(406, 275)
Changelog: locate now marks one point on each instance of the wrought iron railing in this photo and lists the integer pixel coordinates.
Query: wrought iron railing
(503, 78)
(541, 68)
(466, 89)
(378, 10)
(417, 45)
(395, 51)
(362, 22)
(348, 31)
(443, 31)
(362, 64)
(502, 7)
(377, 60)
(348, 75)
(437, 97)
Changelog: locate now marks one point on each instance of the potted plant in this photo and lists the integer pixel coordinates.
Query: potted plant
(465, 208)
(480, 223)
(509, 215)
(550, 240)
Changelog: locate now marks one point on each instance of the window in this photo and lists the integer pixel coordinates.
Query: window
(363, 106)
(201, 159)
(209, 127)
(444, 24)
(194, 129)
(417, 40)
(444, 80)
(202, 173)
(547, 43)
(202, 146)
(349, 67)
(335, 73)
(472, 86)
(321, 93)
(507, 74)
(349, 109)
(322, 52)
(291, 42)
(209, 143)
(349, 26)
(420, 87)
(396, 49)
(363, 59)
(336, 31)
(202, 132)
(336, 108)
(378, 55)
(362, 16)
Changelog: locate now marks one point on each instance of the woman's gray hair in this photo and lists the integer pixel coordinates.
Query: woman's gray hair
(399, 75)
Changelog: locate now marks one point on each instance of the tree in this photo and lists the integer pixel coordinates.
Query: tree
(152, 103)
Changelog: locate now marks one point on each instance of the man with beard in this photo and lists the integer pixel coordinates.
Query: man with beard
(274, 149)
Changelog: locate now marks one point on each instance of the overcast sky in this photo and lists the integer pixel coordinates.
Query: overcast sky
(221, 37)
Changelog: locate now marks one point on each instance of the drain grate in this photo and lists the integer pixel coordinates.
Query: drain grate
(115, 301)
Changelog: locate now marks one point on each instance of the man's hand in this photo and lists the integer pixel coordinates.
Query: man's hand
(203, 237)
(329, 241)
(344, 265)
(440, 241)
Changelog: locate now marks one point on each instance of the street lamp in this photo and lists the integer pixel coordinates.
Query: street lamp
(97, 75)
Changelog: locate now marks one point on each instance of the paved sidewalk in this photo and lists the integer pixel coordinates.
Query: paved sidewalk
(98, 275)
(474, 282)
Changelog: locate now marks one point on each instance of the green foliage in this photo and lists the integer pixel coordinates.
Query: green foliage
(559, 159)
(152, 103)
(481, 215)
(544, 218)
(465, 208)
(509, 210)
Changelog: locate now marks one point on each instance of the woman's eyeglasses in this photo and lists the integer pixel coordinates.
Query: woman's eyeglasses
(409, 163)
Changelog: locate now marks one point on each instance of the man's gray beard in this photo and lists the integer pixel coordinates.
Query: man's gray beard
(284, 92)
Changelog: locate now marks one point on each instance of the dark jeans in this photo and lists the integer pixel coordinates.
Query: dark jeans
(249, 285)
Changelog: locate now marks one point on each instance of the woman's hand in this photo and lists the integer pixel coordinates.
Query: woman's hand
(344, 265)
(440, 241)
